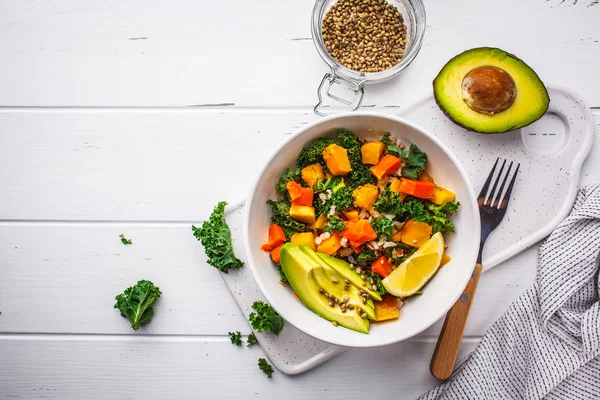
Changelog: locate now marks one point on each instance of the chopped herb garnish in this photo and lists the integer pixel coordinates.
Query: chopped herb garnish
(252, 340)
(265, 318)
(124, 240)
(265, 367)
(215, 236)
(236, 338)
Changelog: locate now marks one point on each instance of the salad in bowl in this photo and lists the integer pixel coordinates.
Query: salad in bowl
(357, 226)
(362, 229)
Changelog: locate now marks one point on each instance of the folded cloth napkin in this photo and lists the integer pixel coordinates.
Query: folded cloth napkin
(547, 344)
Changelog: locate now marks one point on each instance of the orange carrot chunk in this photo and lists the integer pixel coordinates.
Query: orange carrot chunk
(385, 166)
(276, 237)
(421, 189)
(275, 253)
(299, 196)
(359, 232)
(382, 266)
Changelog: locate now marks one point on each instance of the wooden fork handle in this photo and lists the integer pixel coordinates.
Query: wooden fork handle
(446, 350)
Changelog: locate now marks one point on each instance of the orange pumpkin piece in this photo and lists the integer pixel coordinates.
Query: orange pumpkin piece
(276, 237)
(275, 253)
(311, 174)
(371, 152)
(359, 232)
(299, 195)
(382, 266)
(336, 158)
(385, 166)
(420, 189)
(351, 215)
(415, 233)
(386, 309)
(330, 245)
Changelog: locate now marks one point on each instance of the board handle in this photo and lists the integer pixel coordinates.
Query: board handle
(446, 350)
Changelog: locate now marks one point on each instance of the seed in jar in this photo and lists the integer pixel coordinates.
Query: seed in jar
(364, 35)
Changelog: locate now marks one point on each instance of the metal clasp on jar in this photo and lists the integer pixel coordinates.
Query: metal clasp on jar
(355, 87)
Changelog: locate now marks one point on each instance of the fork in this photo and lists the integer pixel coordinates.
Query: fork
(492, 208)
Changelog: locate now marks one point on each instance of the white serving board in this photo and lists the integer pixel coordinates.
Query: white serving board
(551, 152)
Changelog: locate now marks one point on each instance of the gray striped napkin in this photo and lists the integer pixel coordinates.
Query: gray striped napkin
(547, 344)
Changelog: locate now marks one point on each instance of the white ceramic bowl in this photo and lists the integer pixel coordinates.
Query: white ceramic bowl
(439, 294)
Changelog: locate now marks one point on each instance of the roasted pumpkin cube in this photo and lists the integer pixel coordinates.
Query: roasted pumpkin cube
(386, 309)
(330, 245)
(311, 174)
(320, 223)
(442, 195)
(365, 196)
(336, 158)
(395, 185)
(351, 215)
(415, 233)
(303, 213)
(371, 152)
(306, 238)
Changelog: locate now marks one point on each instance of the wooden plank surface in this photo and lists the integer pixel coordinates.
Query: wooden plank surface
(178, 86)
(138, 165)
(60, 278)
(154, 53)
(199, 368)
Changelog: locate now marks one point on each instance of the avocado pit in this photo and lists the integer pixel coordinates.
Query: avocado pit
(488, 89)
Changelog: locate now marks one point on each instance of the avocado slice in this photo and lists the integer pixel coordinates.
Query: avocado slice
(324, 278)
(488, 90)
(343, 268)
(300, 269)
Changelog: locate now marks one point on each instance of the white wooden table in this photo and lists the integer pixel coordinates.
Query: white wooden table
(127, 117)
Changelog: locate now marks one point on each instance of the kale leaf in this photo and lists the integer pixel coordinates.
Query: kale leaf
(136, 302)
(415, 163)
(252, 340)
(390, 203)
(124, 240)
(383, 226)
(334, 224)
(380, 288)
(352, 144)
(236, 338)
(360, 175)
(417, 209)
(282, 277)
(366, 256)
(265, 318)
(437, 216)
(385, 139)
(341, 196)
(215, 236)
(281, 216)
(265, 367)
(287, 176)
(330, 183)
(313, 153)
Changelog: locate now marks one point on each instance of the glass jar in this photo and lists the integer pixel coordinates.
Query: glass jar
(413, 12)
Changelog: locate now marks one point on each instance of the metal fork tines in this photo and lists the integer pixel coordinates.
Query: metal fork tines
(493, 203)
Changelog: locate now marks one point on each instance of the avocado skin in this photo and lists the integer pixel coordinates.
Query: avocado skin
(299, 268)
(518, 123)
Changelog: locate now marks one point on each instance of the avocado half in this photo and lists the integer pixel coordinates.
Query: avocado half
(488, 90)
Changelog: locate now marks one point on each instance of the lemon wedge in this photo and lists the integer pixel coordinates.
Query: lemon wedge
(413, 274)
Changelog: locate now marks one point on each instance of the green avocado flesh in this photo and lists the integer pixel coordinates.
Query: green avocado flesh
(530, 101)
(343, 268)
(307, 273)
